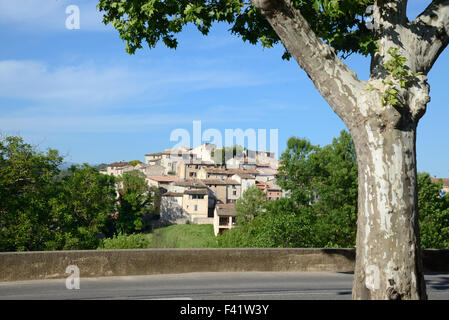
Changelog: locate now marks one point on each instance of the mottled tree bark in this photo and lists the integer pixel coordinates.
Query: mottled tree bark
(388, 260)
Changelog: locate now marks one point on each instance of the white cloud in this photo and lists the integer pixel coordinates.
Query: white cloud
(90, 85)
(48, 15)
(113, 97)
(112, 123)
(88, 123)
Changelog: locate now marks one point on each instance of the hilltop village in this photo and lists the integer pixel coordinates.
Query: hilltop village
(196, 188)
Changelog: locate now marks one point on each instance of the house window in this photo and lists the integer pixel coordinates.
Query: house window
(224, 221)
(234, 193)
(195, 207)
(196, 196)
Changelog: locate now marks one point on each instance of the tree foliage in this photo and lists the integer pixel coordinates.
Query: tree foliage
(250, 204)
(433, 213)
(340, 23)
(322, 208)
(25, 189)
(82, 209)
(324, 178)
(135, 201)
(134, 162)
(43, 209)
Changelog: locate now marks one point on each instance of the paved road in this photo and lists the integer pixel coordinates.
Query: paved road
(200, 286)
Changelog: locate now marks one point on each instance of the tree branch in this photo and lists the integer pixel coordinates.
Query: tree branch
(393, 31)
(431, 29)
(336, 82)
(391, 12)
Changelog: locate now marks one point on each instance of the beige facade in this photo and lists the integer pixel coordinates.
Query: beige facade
(192, 204)
(204, 151)
(116, 169)
(234, 192)
(169, 159)
(219, 188)
(190, 170)
(196, 204)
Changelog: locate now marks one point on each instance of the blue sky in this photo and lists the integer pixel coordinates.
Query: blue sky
(78, 90)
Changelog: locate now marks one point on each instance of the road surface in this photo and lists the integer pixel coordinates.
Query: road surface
(206, 286)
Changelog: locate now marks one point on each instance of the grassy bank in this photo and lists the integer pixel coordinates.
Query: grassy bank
(183, 236)
(175, 236)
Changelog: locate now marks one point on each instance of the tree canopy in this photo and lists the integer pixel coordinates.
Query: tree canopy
(321, 210)
(340, 23)
(25, 189)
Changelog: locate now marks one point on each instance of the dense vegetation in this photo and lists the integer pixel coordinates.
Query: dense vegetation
(45, 208)
(321, 210)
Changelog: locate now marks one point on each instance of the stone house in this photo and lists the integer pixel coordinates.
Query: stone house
(234, 192)
(246, 180)
(196, 205)
(214, 173)
(189, 170)
(116, 169)
(272, 191)
(224, 217)
(219, 188)
(171, 209)
(266, 174)
(169, 159)
(163, 183)
(204, 151)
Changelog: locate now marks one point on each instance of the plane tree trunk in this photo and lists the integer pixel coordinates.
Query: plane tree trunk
(388, 260)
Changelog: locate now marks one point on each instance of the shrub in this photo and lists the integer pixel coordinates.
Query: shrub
(132, 241)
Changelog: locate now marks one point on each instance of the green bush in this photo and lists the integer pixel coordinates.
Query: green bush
(132, 241)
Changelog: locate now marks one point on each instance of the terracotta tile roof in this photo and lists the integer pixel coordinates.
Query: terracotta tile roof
(167, 153)
(219, 182)
(437, 180)
(231, 171)
(172, 194)
(268, 171)
(246, 176)
(218, 171)
(163, 178)
(199, 162)
(225, 209)
(197, 191)
(196, 183)
(247, 171)
(263, 165)
(118, 164)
